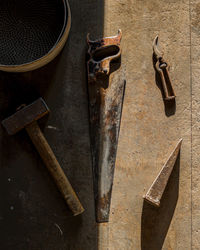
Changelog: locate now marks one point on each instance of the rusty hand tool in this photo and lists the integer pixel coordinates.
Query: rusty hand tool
(106, 85)
(105, 104)
(162, 68)
(101, 53)
(27, 118)
(157, 188)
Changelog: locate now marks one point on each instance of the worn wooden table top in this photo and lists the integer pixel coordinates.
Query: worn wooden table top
(32, 212)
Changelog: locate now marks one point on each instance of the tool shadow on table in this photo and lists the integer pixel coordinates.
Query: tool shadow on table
(155, 221)
(44, 204)
(40, 218)
(170, 106)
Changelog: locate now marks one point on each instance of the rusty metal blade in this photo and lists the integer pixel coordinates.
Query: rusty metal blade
(105, 105)
(157, 188)
(106, 84)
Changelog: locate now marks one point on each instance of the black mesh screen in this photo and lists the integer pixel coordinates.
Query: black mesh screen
(29, 29)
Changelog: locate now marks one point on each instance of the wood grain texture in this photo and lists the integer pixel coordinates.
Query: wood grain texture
(36, 203)
(149, 128)
(148, 133)
(54, 168)
(195, 75)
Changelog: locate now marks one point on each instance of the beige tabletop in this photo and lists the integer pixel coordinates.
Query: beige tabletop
(33, 215)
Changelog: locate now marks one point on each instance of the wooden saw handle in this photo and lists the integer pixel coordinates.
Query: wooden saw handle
(54, 168)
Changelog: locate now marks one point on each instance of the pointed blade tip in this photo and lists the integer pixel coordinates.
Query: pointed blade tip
(177, 149)
(156, 48)
(180, 142)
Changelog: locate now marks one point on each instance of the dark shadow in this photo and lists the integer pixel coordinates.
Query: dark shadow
(25, 88)
(102, 53)
(40, 218)
(170, 105)
(155, 222)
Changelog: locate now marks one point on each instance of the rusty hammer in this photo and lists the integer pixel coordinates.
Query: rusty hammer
(27, 118)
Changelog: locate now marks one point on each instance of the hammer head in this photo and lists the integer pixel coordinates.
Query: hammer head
(25, 116)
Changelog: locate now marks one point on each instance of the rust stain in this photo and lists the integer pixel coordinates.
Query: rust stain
(101, 53)
(157, 188)
(105, 106)
(162, 68)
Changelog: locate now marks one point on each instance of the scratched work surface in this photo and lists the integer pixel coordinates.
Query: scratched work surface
(32, 213)
(150, 129)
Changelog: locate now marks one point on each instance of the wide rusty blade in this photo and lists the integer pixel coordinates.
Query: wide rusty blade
(105, 106)
(106, 94)
(157, 188)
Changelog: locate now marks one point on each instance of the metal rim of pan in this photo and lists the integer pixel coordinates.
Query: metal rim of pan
(53, 52)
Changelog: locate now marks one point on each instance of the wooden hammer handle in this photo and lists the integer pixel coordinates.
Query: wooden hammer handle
(54, 168)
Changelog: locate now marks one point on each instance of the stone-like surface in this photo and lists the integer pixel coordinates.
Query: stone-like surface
(149, 129)
(32, 213)
(195, 74)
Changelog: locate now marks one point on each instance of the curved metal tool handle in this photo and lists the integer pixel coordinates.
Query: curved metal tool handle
(163, 69)
(54, 168)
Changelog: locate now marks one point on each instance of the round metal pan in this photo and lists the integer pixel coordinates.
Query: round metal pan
(32, 32)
